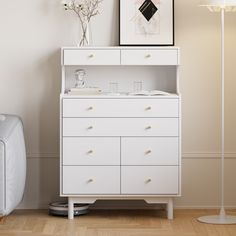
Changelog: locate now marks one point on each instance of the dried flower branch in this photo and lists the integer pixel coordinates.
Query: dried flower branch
(85, 10)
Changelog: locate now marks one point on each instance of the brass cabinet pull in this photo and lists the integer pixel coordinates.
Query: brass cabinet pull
(90, 151)
(148, 180)
(148, 152)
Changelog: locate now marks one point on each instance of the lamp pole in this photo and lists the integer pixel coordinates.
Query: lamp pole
(222, 210)
(222, 218)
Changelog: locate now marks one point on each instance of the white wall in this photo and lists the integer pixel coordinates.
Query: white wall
(32, 33)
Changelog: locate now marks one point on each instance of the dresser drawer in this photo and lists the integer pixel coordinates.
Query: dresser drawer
(91, 180)
(91, 57)
(149, 57)
(158, 180)
(161, 107)
(120, 127)
(91, 151)
(150, 151)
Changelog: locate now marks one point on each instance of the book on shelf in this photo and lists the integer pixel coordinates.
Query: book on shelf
(150, 93)
(85, 91)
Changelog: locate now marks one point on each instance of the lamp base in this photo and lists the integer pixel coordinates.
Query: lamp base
(218, 220)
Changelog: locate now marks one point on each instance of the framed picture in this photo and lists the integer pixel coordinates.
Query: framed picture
(146, 22)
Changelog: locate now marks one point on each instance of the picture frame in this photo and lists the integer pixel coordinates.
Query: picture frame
(146, 23)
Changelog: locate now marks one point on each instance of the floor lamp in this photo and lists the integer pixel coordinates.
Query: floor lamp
(221, 6)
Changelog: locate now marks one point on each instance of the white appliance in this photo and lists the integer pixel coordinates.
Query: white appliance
(12, 163)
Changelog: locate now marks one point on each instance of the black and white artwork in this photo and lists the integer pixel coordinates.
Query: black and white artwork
(147, 22)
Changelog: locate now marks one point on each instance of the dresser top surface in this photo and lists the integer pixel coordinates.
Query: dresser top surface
(122, 47)
(171, 96)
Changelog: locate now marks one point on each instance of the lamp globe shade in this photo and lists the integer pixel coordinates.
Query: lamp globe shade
(217, 5)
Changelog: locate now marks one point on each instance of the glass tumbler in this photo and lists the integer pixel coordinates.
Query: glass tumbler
(138, 86)
(113, 87)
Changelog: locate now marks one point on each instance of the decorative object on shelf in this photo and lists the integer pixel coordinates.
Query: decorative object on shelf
(221, 6)
(138, 86)
(150, 93)
(147, 23)
(80, 88)
(113, 88)
(85, 10)
(80, 78)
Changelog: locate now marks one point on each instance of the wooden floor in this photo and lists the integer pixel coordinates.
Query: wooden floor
(113, 223)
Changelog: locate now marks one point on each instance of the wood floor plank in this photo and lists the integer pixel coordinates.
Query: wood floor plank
(113, 223)
(1, 219)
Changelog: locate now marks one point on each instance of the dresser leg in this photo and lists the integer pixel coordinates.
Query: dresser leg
(70, 209)
(170, 209)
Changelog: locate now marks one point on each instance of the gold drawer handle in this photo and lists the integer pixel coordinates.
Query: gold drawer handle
(149, 180)
(90, 180)
(148, 152)
(90, 127)
(148, 108)
(91, 55)
(90, 108)
(90, 152)
(148, 55)
(148, 127)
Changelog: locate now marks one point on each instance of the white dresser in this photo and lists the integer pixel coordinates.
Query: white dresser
(121, 147)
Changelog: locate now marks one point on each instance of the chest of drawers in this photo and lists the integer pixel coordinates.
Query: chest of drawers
(123, 147)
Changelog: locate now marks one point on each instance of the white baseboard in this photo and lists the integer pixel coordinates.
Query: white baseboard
(203, 207)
